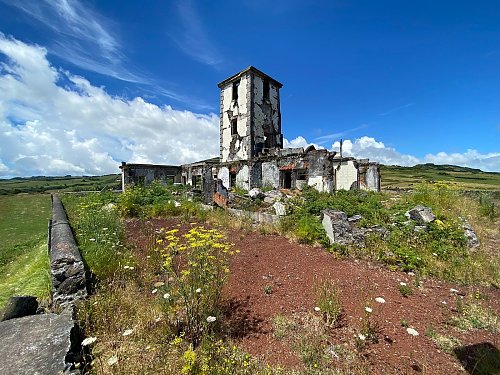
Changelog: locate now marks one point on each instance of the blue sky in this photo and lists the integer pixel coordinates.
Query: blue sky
(87, 84)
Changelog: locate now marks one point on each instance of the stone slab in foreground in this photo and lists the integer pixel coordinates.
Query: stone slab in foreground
(35, 345)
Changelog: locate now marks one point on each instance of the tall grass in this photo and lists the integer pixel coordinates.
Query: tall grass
(24, 262)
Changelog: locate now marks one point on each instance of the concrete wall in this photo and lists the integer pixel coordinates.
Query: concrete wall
(266, 116)
(236, 146)
(223, 175)
(243, 178)
(135, 174)
(270, 175)
(346, 174)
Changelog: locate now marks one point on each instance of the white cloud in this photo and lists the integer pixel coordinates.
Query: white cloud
(79, 128)
(471, 158)
(368, 147)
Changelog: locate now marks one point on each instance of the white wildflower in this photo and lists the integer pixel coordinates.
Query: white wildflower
(128, 332)
(198, 290)
(112, 360)
(88, 341)
(166, 296)
(368, 309)
(453, 290)
(316, 308)
(412, 331)
(361, 336)
(379, 300)
(92, 239)
(402, 283)
(211, 319)
(154, 291)
(126, 267)
(104, 228)
(131, 268)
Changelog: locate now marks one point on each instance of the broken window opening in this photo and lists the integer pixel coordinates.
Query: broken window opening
(236, 85)
(234, 126)
(266, 89)
(302, 175)
(196, 180)
(232, 179)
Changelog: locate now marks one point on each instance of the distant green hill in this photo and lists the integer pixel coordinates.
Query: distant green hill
(394, 177)
(39, 184)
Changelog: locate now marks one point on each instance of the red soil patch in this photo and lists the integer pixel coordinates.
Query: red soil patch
(292, 270)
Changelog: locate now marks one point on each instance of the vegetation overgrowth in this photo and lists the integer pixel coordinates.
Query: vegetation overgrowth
(440, 250)
(24, 263)
(158, 308)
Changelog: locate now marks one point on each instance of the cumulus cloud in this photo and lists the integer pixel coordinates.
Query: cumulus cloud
(471, 158)
(368, 147)
(53, 122)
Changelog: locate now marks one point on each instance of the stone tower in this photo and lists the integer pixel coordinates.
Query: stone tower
(250, 117)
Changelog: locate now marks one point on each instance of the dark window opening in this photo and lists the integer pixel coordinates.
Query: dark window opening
(236, 85)
(196, 180)
(234, 126)
(302, 175)
(266, 89)
(141, 180)
(184, 180)
(170, 180)
(287, 180)
(232, 179)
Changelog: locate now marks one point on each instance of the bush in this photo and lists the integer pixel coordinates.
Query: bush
(197, 265)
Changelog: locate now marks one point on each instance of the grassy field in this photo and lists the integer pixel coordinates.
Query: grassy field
(24, 262)
(68, 183)
(395, 177)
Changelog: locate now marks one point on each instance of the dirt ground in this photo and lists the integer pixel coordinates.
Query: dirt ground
(290, 271)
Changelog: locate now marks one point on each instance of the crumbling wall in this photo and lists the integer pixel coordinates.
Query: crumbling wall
(243, 178)
(270, 174)
(266, 120)
(346, 174)
(223, 175)
(235, 146)
(144, 174)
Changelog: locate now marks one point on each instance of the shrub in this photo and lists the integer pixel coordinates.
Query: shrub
(196, 264)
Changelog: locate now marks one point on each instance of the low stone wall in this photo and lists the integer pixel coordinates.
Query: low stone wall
(66, 264)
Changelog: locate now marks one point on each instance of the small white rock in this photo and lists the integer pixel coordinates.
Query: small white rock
(112, 360)
(88, 341)
(211, 319)
(128, 332)
(412, 331)
(368, 309)
(317, 309)
(379, 300)
(453, 290)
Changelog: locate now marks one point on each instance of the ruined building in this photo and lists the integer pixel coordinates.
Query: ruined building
(252, 153)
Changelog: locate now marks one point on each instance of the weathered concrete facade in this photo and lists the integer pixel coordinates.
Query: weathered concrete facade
(252, 153)
(250, 117)
(144, 174)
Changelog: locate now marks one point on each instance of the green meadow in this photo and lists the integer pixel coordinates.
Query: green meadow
(42, 184)
(395, 177)
(24, 261)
